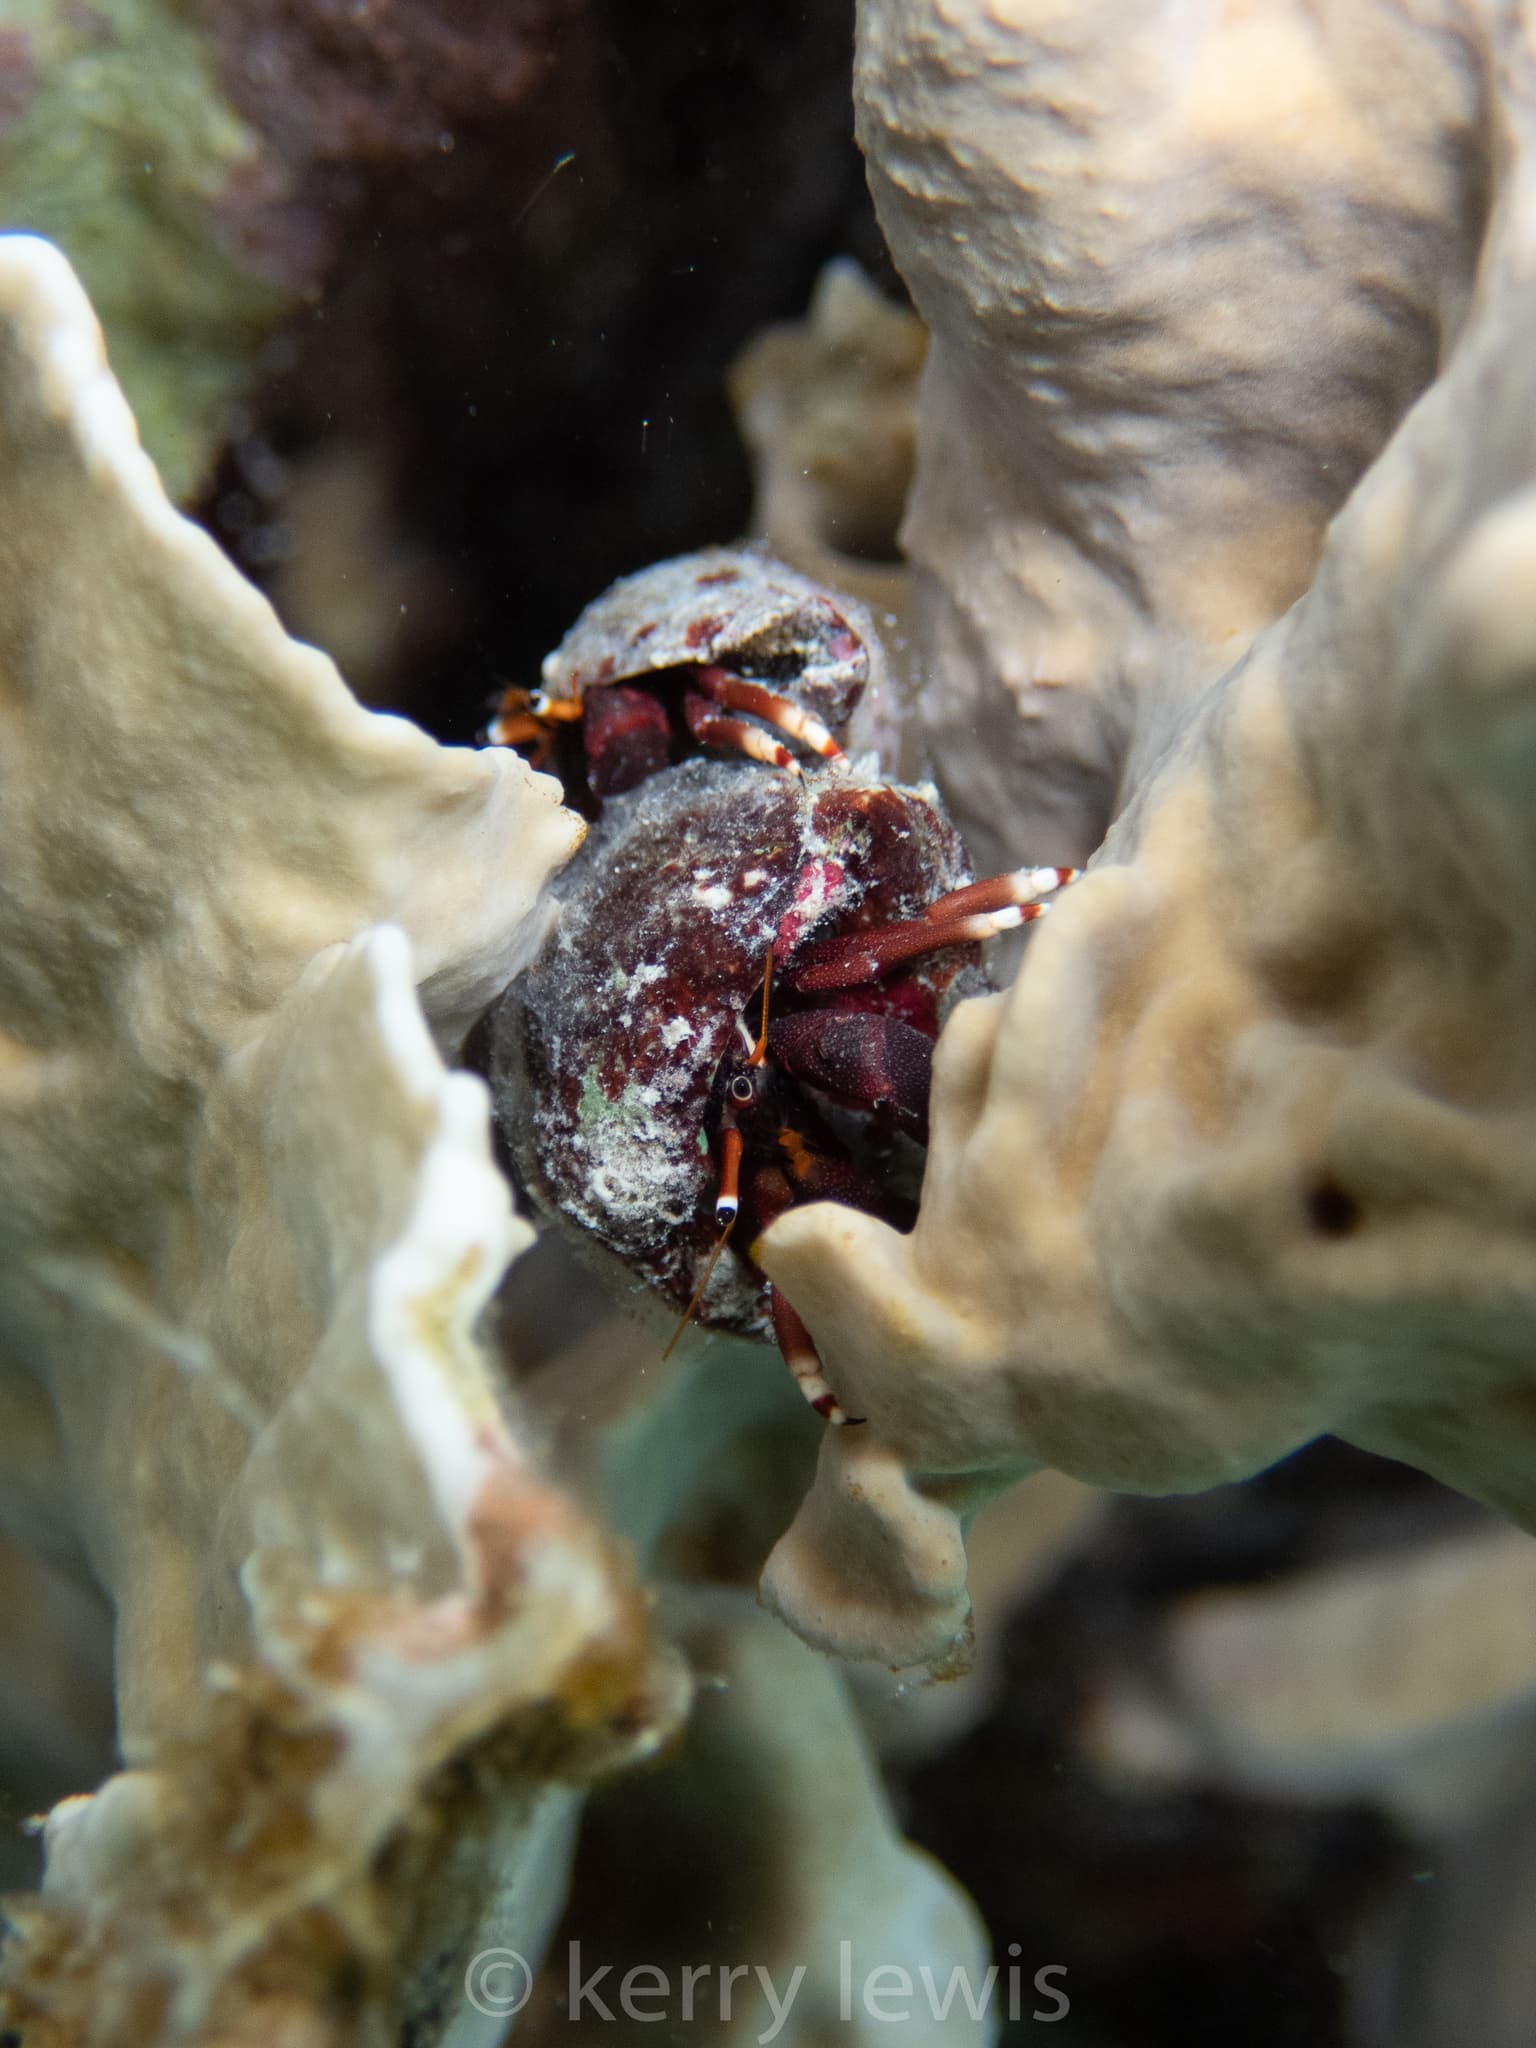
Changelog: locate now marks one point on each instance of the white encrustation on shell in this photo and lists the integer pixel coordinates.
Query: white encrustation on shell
(1244, 1155)
(607, 1107)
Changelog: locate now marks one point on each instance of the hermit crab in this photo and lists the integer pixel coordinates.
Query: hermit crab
(727, 648)
(737, 1007)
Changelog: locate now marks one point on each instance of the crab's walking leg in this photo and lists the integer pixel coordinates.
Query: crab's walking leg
(517, 729)
(712, 728)
(771, 1195)
(999, 892)
(736, 693)
(857, 957)
(979, 911)
(800, 1355)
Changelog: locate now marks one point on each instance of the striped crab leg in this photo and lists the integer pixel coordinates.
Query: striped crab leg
(797, 1348)
(963, 917)
(736, 693)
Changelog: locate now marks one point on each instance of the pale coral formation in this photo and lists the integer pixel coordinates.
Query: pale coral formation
(1407, 1677)
(773, 1817)
(827, 405)
(1244, 1154)
(1184, 273)
(192, 807)
(368, 1655)
(251, 1224)
(395, 1588)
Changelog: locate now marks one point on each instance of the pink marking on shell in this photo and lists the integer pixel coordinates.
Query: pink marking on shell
(701, 630)
(820, 885)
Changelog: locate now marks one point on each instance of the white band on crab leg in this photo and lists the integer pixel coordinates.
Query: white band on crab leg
(799, 1353)
(513, 729)
(984, 924)
(736, 693)
(997, 892)
(736, 735)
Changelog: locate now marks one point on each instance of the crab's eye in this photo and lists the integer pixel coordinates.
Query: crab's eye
(742, 1089)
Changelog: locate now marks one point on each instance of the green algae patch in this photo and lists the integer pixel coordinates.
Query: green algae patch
(117, 144)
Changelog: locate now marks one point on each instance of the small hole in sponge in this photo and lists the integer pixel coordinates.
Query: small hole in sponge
(1332, 1210)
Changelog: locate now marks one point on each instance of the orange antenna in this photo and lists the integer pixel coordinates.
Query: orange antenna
(728, 1200)
(698, 1292)
(760, 1050)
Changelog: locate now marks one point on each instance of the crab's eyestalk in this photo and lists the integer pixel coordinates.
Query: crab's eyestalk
(525, 717)
(728, 1196)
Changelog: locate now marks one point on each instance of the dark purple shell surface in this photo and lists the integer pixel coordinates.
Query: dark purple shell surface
(605, 1051)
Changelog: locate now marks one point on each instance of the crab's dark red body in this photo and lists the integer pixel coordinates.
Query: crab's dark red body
(613, 1050)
